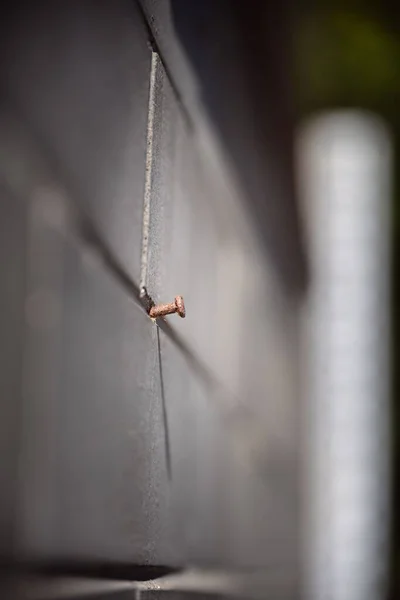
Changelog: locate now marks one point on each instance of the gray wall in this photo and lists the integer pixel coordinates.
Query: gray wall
(128, 443)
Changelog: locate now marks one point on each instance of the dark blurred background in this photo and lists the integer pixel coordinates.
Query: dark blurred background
(347, 55)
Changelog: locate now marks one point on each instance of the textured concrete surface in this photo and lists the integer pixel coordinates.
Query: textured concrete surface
(93, 433)
(12, 274)
(86, 475)
(79, 75)
(139, 445)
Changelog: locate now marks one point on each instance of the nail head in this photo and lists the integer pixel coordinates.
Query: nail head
(180, 306)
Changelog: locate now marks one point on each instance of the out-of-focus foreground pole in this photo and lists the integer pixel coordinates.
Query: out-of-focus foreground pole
(345, 174)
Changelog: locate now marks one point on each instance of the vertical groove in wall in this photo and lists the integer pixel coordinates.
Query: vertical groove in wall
(149, 167)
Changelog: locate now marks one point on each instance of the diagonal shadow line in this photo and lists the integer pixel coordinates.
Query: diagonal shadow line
(89, 234)
(164, 410)
(195, 363)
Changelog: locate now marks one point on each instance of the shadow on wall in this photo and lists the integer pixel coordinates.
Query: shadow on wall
(217, 37)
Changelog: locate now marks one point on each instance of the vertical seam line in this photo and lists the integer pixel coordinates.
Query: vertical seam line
(149, 170)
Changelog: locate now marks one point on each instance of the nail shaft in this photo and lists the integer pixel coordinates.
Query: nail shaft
(162, 309)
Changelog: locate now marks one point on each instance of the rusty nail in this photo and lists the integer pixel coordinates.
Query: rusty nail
(177, 306)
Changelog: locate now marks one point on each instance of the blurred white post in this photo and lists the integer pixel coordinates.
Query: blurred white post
(345, 177)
